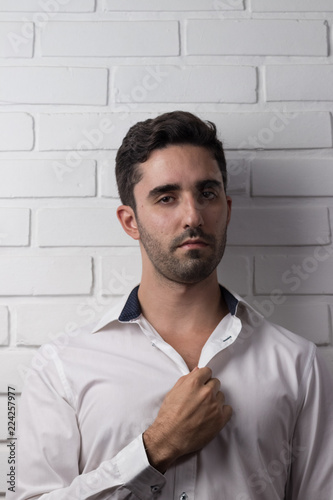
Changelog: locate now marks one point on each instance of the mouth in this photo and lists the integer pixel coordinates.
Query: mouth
(193, 243)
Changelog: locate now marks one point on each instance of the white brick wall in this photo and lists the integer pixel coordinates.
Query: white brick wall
(295, 274)
(292, 177)
(16, 39)
(14, 226)
(187, 84)
(279, 226)
(279, 130)
(80, 227)
(75, 75)
(69, 39)
(47, 6)
(4, 324)
(299, 83)
(17, 132)
(292, 6)
(42, 179)
(256, 37)
(81, 131)
(32, 85)
(172, 5)
(45, 275)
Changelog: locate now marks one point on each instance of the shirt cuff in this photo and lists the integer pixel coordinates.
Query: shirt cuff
(135, 471)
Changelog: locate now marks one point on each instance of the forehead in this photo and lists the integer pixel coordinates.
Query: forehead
(181, 164)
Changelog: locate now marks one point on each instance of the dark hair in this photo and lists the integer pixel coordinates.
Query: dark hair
(177, 127)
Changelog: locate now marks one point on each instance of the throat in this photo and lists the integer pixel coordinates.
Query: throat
(189, 347)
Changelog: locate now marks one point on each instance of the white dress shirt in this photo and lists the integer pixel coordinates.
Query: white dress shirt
(85, 406)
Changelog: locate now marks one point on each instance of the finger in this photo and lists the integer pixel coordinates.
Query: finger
(215, 384)
(220, 398)
(227, 412)
(203, 374)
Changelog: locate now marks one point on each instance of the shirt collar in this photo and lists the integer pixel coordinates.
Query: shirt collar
(130, 310)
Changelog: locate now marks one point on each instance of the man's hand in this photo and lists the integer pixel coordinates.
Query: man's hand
(191, 415)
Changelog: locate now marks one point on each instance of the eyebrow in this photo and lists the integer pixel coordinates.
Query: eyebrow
(166, 188)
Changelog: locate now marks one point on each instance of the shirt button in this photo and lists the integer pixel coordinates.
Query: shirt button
(183, 496)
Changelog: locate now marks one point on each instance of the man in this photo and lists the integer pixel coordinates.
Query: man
(182, 391)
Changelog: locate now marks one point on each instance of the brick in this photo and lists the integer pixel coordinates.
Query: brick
(31, 85)
(299, 83)
(279, 226)
(256, 37)
(80, 131)
(185, 84)
(173, 5)
(40, 323)
(311, 320)
(238, 177)
(46, 178)
(84, 131)
(120, 273)
(45, 275)
(296, 274)
(16, 39)
(13, 367)
(51, 7)
(4, 326)
(16, 132)
(279, 130)
(14, 226)
(135, 38)
(292, 6)
(234, 272)
(80, 227)
(292, 177)
(3, 467)
(327, 354)
(108, 177)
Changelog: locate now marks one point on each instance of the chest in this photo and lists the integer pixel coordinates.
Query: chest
(189, 350)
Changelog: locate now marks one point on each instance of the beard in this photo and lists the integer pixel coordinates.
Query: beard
(191, 267)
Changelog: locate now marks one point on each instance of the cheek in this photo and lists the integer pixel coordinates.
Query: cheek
(157, 223)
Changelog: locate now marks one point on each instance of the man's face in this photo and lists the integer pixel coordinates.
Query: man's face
(182, 213)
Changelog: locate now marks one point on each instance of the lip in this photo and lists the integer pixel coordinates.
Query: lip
(192, 243)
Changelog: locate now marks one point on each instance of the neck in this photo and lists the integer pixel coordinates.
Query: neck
(182, 309)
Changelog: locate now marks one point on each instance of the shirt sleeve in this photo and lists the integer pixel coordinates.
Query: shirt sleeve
(48, 453)
(311, 458)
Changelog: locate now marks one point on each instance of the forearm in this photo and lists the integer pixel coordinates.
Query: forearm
(128, 473)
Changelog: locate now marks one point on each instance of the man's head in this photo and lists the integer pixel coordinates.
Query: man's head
(174, 128)
(181, 211)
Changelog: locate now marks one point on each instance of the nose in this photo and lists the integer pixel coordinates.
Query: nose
(192, 212)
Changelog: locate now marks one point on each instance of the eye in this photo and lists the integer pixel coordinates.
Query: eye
(208, 195)
(166, 200)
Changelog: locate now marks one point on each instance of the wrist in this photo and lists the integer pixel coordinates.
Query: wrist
(159, 452)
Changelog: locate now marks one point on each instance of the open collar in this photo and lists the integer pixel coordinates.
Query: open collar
(129, 308)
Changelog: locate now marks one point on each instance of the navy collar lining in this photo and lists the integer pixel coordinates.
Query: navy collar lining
(132, 308)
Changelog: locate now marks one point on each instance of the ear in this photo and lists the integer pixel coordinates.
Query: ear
(127, 219)
(229, 203)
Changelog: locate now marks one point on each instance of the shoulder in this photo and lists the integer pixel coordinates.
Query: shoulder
(277, 345)
(72, 345)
